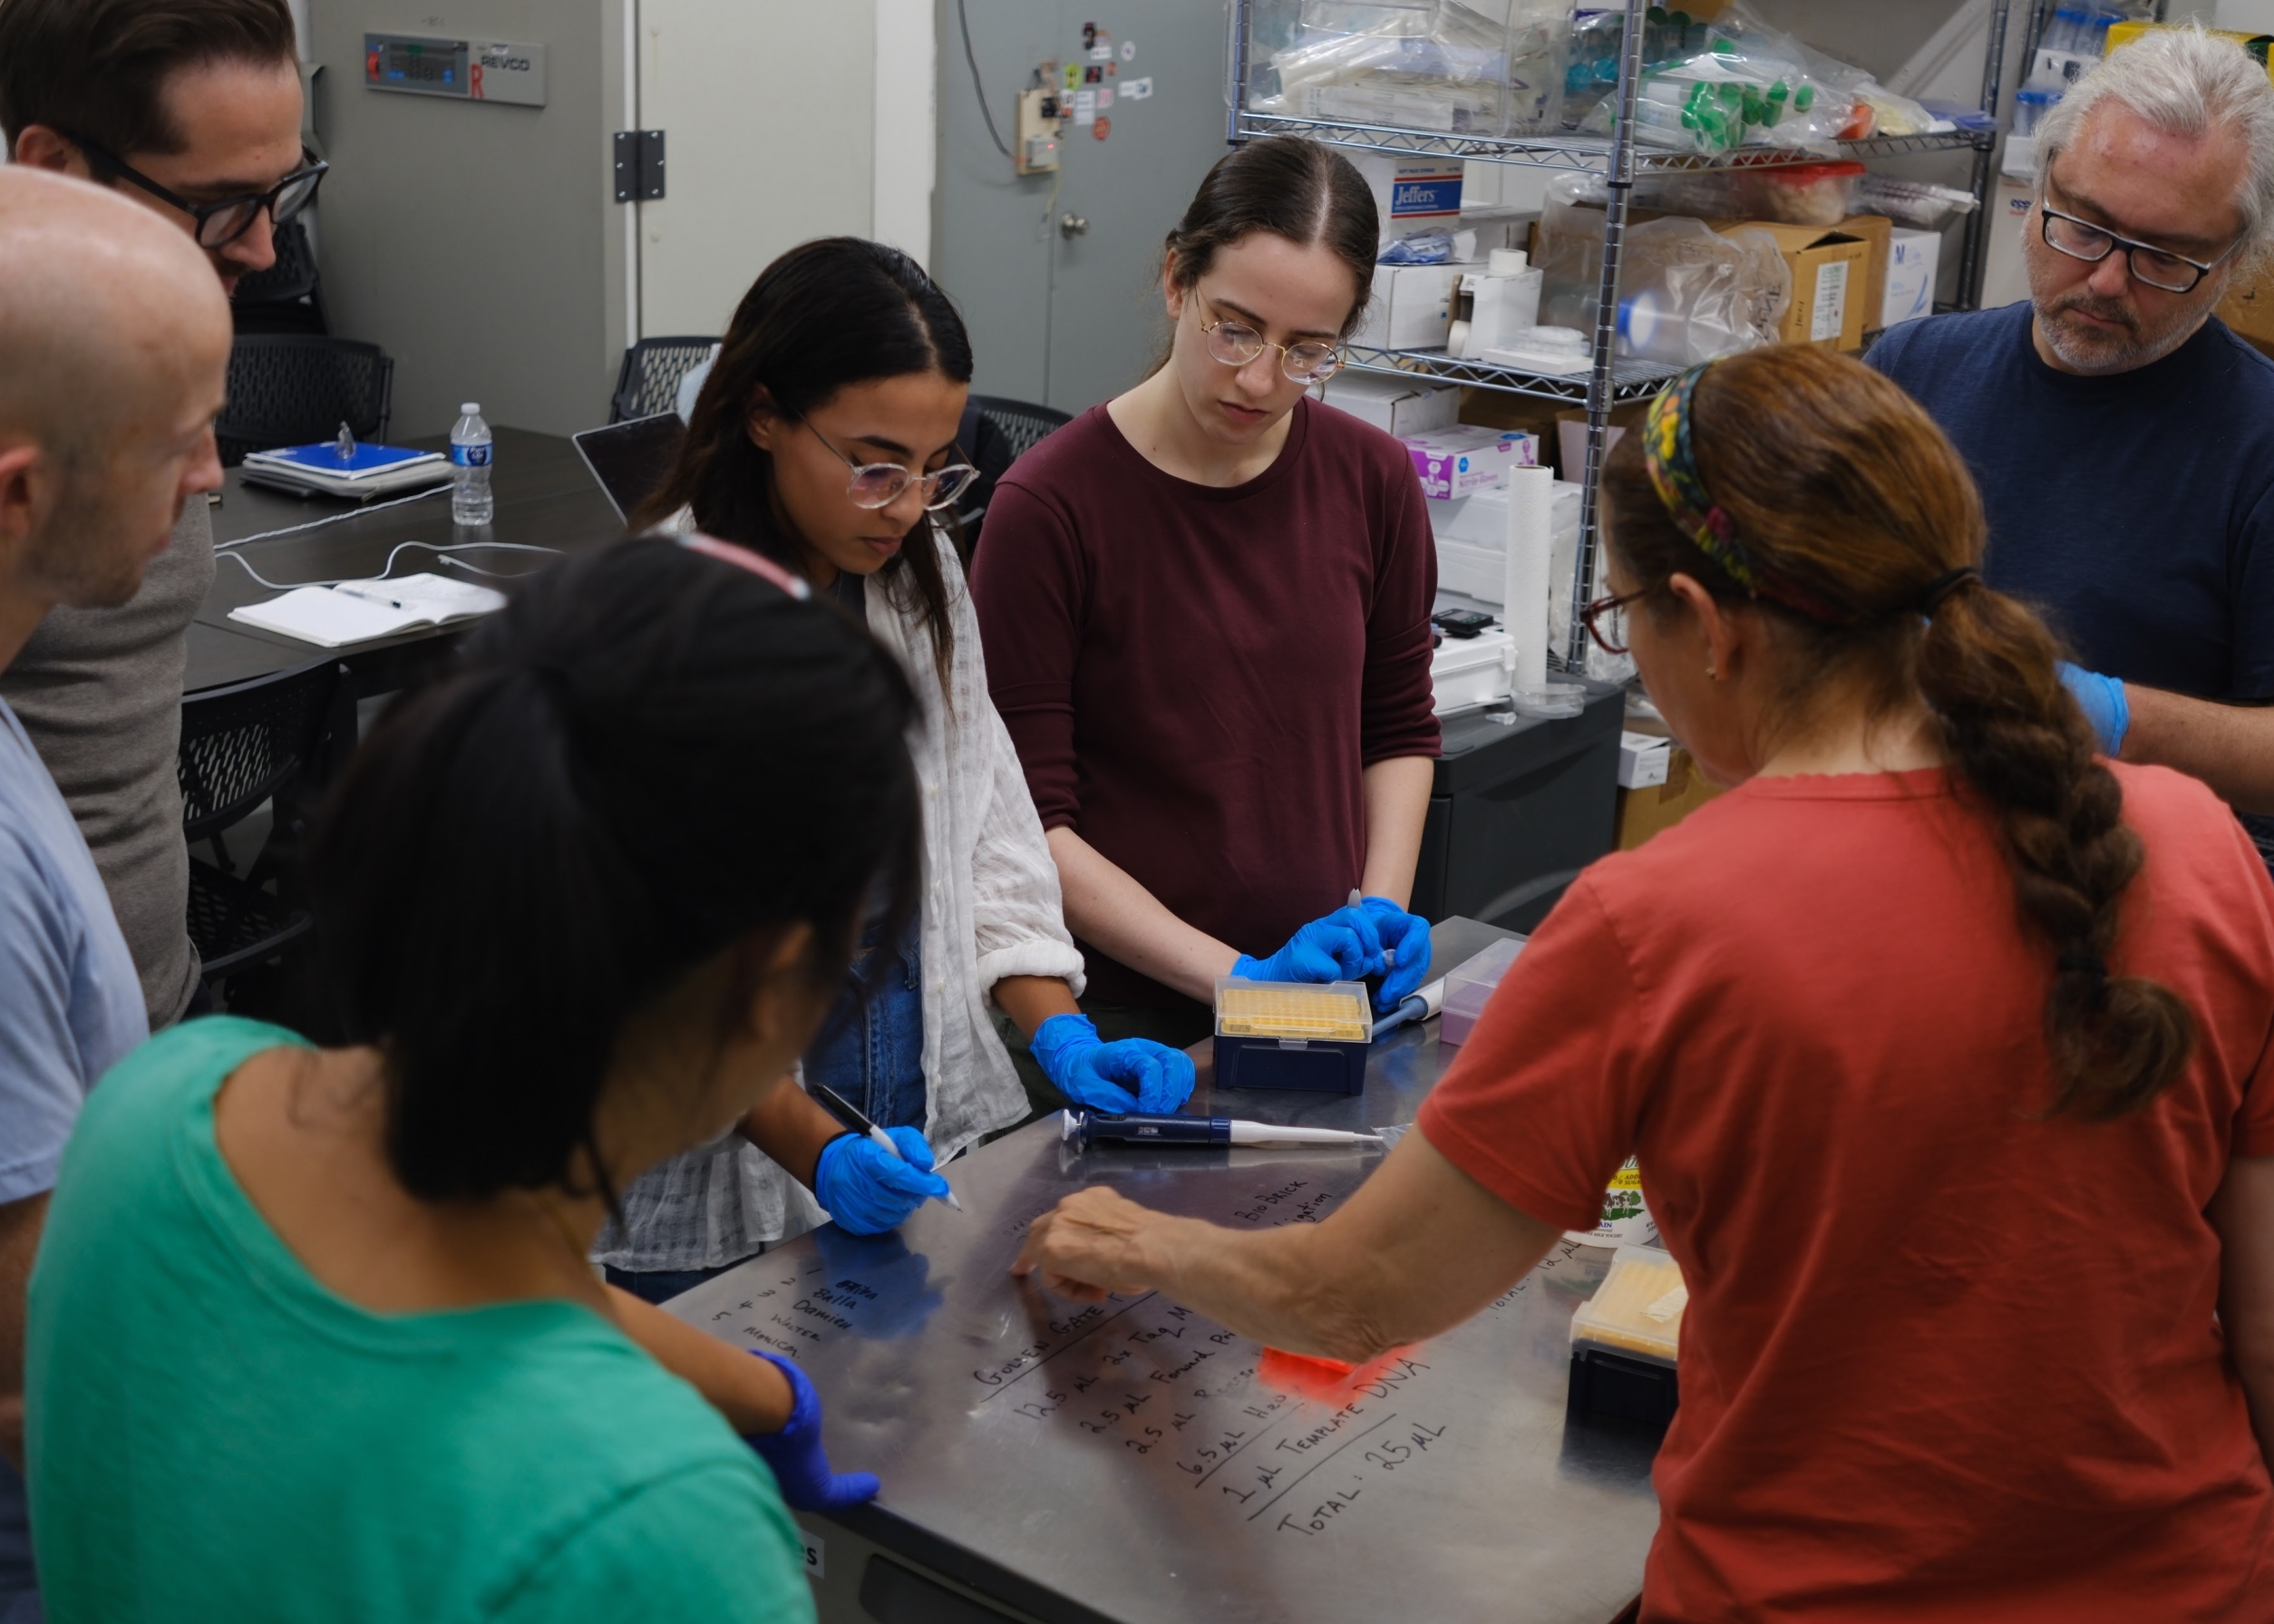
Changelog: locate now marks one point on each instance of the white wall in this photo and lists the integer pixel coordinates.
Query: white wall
(907, 127)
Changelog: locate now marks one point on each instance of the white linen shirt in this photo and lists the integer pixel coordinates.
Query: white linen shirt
(991, 909)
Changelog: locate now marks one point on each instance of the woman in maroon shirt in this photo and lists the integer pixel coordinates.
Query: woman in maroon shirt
(1205, 610)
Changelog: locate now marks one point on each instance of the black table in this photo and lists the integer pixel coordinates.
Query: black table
(1133, 1462)
(545, 498)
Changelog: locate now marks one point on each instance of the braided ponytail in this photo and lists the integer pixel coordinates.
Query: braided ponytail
(1986, 669)
(1810, 484)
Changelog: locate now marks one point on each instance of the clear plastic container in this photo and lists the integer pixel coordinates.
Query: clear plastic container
(1327, 1012)
(2030, 106)
(1470, 988)
(1475, 67)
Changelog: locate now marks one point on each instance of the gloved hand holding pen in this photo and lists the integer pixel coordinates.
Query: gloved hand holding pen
(867, 1189)
(1345, 946)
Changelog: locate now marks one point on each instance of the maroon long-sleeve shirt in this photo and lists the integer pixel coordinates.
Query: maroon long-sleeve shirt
(1197, 679)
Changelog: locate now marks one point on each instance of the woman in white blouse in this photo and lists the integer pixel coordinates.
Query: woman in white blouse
(823, 441)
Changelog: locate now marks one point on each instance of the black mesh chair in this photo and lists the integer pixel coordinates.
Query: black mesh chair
(1024, 423)
(286, 297)
(296, 389)
(272, 739)
(648, 382)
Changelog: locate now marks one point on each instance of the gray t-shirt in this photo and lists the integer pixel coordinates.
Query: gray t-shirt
(71, 1007)
(99, 693)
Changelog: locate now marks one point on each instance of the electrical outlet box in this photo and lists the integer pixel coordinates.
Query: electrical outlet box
(1036, 152)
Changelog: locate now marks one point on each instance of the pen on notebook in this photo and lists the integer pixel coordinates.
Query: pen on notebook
(347, 590)
(851, 1114)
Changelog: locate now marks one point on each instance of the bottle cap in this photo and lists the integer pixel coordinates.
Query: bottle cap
(470, 408)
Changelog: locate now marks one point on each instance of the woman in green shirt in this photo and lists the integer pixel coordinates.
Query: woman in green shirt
(312, 1334)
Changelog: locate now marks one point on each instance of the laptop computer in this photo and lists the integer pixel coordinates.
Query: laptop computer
(632, 460)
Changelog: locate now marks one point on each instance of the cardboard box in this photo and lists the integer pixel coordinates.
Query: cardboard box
(1412, 307)
(1412, 194)
(1643, 812)
(1832, 277)
(1394, 406)
(1460, 462)
(1912, 260)
(2248, 309)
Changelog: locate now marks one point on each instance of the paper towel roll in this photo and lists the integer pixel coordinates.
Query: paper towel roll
(1531, 495)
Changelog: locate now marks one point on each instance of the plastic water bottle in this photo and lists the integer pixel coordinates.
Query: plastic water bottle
(469, 499)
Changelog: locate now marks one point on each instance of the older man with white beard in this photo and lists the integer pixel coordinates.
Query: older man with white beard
(2123, 438)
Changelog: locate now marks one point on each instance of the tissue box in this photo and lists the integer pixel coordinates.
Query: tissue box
(1912, 260)
(1643, 760)
(1461, 462)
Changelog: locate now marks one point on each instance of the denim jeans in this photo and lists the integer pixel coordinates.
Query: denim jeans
(871, 1048)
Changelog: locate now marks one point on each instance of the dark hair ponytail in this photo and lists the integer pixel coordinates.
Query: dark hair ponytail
(648, 757)
(834, 312)
(1848, 498)
(1293, 188)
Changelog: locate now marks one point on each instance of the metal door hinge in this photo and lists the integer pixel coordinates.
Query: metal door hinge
(639, 165)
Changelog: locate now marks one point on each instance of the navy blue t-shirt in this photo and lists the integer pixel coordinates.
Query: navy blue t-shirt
(2136, 511)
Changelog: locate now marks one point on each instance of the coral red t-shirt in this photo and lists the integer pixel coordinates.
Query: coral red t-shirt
(1943, 1357)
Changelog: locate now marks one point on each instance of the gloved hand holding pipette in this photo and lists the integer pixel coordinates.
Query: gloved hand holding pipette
(1132, 1075)
(1406, 939)
(1345, 946)
(867, 1189)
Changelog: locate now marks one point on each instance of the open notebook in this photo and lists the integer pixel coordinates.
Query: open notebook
(358, 611)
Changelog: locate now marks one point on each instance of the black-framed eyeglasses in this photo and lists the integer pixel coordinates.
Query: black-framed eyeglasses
(1306, 361)
(880, 484)
(221, 222)
(2156, 267)
(1606, 620)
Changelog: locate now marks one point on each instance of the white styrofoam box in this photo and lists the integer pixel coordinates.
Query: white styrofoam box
(1464, 460)
(1912, 258)
(1472, 671)
(1481, 520)
(1644, 760)
(2020, 159)
(1412, 307)
(1398, 406)
(1472, 552)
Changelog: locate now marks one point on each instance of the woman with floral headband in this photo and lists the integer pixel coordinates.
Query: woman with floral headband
(1944, 1041)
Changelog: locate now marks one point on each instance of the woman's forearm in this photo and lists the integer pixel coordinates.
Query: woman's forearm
(1397, 808)
(1110, 911)
(1030, 1000)
(790, 1127)
(752, 1396)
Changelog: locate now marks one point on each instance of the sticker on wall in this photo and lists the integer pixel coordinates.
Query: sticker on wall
(1084, 106)
(1094, 74)
(1101, 52)
(1104, 97)
(1112, 69)
(1129, 50)
(1137, 89)
(1089, 33)
(1102, 128)
(1074, 75)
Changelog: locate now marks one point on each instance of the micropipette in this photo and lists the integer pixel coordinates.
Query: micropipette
(1090, 1127)
(851, 1115)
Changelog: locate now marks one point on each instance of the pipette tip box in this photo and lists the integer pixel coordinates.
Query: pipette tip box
(1624, 1339)
(1292, 1034)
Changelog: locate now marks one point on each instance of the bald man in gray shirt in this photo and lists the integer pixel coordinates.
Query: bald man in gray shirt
(204, 112)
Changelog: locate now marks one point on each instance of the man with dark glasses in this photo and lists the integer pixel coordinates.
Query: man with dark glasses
(191, 109)
(2123, 438)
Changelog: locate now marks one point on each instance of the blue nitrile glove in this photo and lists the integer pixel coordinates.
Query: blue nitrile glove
(1089, 1071)
(1345, 946)
(2104, 703)
(1407, 936)
(795, 1451)
(865, 1189)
